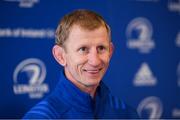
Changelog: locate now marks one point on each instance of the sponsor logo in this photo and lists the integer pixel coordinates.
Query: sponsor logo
(178, 75)
(139, 35)
(151, 108)
(144, 76)
(28, 78)
(24, 3)
(27, 33)
(176, 113)
(174, 5)
(178, 40)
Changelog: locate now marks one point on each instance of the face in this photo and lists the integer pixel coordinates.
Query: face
(87, 55)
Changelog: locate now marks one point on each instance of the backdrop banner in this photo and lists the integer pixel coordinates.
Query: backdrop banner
(144, 70)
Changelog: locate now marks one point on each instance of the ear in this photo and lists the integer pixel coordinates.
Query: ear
(111, 49)
(59, 54)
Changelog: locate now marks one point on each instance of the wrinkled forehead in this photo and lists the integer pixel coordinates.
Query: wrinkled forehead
(79, 35)
(87, 27)
(79, 31)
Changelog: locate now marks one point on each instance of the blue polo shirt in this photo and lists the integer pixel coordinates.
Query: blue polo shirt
(68, 101)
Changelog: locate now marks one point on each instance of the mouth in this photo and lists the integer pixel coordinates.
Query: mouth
(92, 71)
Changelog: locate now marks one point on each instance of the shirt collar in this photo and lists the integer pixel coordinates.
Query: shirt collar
(73, 95)
(77, 98)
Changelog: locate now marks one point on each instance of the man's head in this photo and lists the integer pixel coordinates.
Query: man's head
(88, 20)
(84, 48)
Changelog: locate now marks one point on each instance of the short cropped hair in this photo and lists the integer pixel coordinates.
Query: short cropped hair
(86, 19)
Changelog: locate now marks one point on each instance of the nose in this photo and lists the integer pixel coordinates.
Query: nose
(94, 58)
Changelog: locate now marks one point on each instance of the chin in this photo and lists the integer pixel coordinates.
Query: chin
(93, 83)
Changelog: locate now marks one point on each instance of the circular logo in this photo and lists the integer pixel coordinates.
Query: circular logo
(150, 107)
(142, 27)
(139, 34)
(35, 72)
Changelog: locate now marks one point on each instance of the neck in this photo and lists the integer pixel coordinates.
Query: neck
(90, 90)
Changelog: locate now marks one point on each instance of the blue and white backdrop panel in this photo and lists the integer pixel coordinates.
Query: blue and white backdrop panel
(144, 70)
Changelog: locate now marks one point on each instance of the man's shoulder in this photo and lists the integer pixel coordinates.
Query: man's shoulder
(49, 108)
(114, 106)
(120, 106)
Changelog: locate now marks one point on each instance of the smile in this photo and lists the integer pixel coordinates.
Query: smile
(93, 71)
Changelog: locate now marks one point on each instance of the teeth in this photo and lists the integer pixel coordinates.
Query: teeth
(93, 71)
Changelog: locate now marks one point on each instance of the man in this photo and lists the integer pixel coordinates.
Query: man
(84, 48)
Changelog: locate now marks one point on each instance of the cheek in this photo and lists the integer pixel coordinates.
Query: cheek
(79, 59)
(76, 61)
(105, 59)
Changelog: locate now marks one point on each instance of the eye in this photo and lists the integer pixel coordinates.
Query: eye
(83, 50)
(101, 48)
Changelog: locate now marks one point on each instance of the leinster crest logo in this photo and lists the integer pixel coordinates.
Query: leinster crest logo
(150, 108)
(139, 35)
(28, 78)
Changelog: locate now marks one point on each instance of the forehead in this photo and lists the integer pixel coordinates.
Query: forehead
(80, 35)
